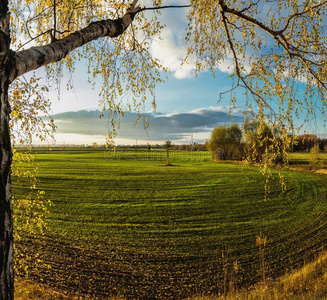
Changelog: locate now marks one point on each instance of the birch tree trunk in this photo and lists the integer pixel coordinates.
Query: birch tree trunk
(6, 226)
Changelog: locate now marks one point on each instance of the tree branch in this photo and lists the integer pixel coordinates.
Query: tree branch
(298, 14)
(229, 39)
(223, 8)
(163, 7)
(278, 35)
(36, 57)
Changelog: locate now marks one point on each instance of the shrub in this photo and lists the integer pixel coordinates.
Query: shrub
(226, 143)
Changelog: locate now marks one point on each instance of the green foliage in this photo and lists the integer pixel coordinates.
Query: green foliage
(29, 105)
(314, 154)
(270, 48)
(258, 139)
(30, 211)
(123, 223)
(265, 144)
(225, 142)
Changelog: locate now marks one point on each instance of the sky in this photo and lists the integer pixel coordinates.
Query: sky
(187, 106)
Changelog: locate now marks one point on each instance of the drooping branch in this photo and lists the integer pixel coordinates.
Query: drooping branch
(229, 40)
(240, 77)
(298, 14)
(36, 57)
(279, 36)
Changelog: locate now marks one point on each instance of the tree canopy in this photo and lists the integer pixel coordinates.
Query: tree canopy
(278, 49)
(275, 50)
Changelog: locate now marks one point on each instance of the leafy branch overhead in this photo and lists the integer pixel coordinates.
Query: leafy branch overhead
(271, 47)
(276, 50)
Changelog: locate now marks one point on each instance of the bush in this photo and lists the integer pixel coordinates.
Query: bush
(226, 143)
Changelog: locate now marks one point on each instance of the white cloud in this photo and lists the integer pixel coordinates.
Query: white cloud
(171, 47)
(171, 50)
(226, 66)
(225, 109)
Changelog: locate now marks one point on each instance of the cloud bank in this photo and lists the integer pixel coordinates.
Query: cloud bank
(177, 127)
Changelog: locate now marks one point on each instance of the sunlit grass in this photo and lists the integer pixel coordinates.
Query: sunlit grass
(28, 290)
(304, 158)
(25, 290)
(309, 282)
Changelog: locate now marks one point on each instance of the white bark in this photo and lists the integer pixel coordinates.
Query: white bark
(6, 225)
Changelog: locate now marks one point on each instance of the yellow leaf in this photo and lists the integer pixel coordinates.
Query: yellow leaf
(16, 94)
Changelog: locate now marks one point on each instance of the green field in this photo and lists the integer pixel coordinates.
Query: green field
(123, 223)
(304, 158)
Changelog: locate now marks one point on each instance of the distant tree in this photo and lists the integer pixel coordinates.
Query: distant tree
(323, 145)
(305, 142)
(167, 145)
(226, 142)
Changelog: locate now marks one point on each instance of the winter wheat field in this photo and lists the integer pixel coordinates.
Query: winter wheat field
(123, 223)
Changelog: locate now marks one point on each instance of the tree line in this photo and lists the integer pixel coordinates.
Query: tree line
(256, 141)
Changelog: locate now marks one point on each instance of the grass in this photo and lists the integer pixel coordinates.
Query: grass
(304, 158)
(28, 290)
(123, 223)
(25, 290)
(309, 282)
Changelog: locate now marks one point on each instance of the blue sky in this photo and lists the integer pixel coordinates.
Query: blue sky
(183, 101)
